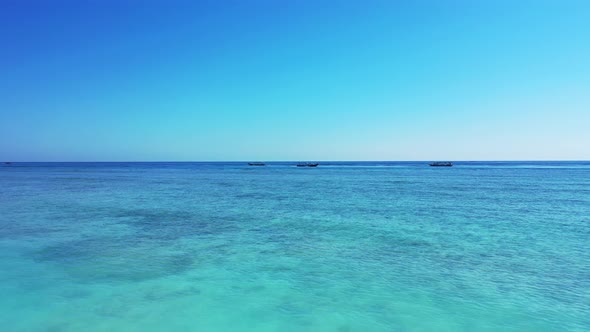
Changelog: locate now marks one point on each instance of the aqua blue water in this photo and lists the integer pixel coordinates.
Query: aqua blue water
(342, 247)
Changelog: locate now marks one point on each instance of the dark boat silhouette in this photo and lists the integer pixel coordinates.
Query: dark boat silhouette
(441, 164)
(257, 164)
(307, 165)
(7, 163)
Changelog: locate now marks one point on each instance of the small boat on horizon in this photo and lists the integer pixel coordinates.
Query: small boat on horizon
(441, 164)
(257, 164)
(7, 163)
(307, 165)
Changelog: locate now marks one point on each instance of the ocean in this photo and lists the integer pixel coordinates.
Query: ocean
(346, 246)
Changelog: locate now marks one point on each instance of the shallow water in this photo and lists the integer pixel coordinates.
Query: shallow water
(482, 246)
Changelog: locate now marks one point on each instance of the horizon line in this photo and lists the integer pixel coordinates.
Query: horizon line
(287, 161)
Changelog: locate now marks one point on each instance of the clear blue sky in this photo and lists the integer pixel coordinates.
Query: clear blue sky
(294, 80)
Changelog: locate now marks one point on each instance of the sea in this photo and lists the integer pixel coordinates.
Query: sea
(346, 246)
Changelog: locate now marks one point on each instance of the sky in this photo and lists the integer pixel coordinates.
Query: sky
(124, 80)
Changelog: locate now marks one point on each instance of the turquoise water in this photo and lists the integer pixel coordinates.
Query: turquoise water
(343, 247)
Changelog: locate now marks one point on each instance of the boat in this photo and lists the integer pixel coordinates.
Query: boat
(7, 163)
(441, 164)
(307, 165)
(257, 164)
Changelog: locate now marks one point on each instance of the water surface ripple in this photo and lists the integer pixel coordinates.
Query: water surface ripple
(347, 246)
